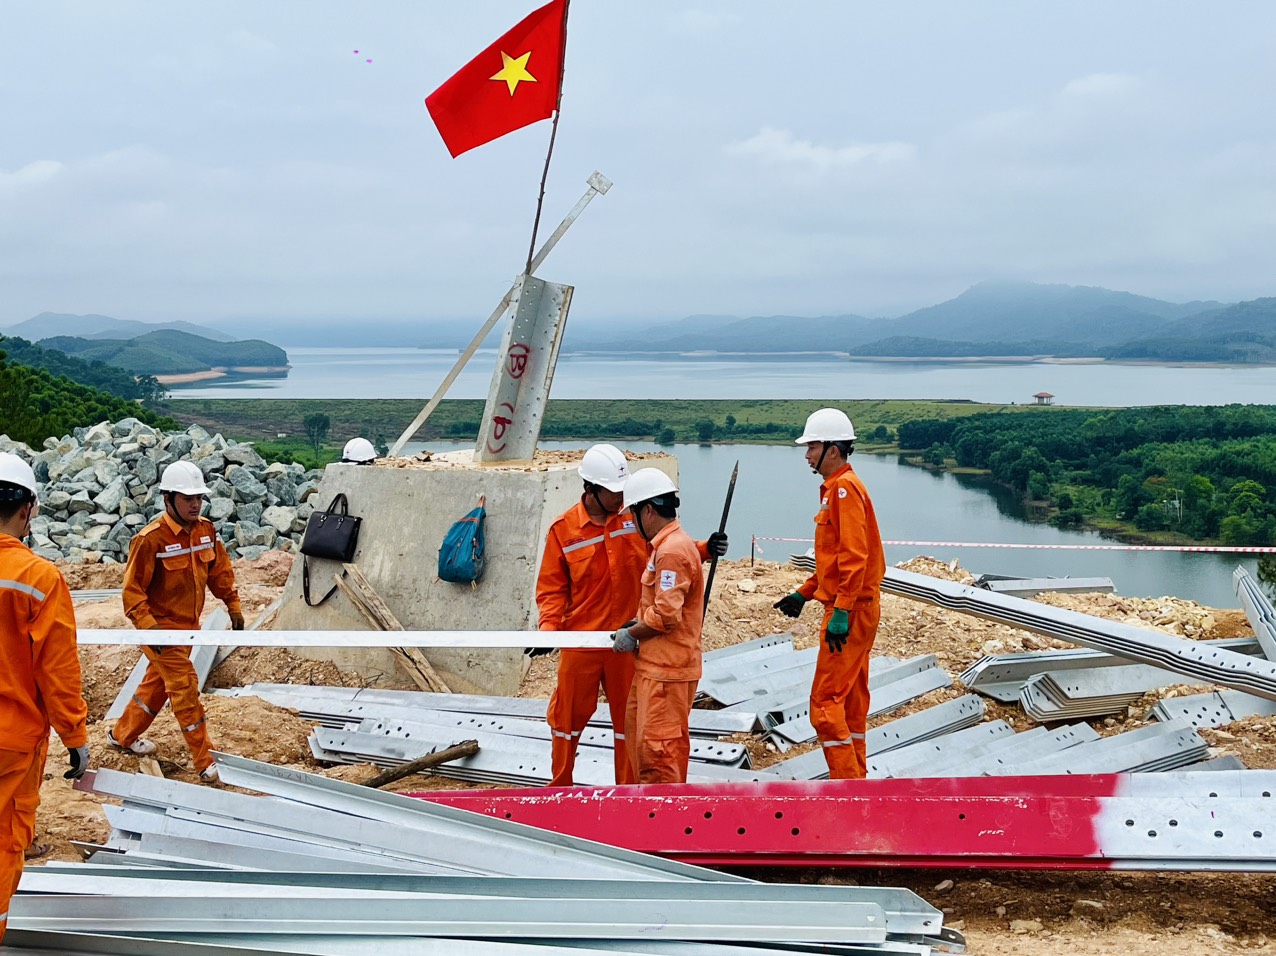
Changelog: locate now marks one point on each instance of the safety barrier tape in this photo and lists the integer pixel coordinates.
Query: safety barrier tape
(1059, 547)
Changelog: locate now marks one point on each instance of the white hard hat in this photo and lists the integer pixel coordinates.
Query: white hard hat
(827, 424)
(647, 483)
(605, 465)
(15, 471)
(359, 451)
(185, 478)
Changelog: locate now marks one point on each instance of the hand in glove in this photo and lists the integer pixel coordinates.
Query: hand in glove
(835, 633)
(236, 620)
(623, 642)
(790, 605)
(79, 758)
(539, 651)
(717, 544)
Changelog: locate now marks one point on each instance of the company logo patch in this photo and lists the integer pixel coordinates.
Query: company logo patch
(628, 525)
(841, 492)
(651, 564)
(668, 579)
(205, 539)
(172, 547)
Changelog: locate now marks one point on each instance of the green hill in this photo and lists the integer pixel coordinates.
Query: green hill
(171, 352)
(36, 404)
(92, 326)
(97, 374)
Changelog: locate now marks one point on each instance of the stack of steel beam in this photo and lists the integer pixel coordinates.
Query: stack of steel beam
(1002, 676)
(1185, 821)
(1259, 610)
(1156, 747)
(1194, 659)
(992, 749)
(385, 874)
(1214, 709)
(1092, 692)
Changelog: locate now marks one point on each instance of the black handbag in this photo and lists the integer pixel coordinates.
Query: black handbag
(329, 534)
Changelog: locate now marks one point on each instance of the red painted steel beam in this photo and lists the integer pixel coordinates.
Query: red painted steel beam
(965, 821)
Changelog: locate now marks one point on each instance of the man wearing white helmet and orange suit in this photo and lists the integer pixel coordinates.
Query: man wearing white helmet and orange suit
(39, 674)
(590, 580)
(665, 638)
(170, 563)
(849, 567)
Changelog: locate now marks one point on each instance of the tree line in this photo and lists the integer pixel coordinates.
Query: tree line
(1208, 473)
(97, 374)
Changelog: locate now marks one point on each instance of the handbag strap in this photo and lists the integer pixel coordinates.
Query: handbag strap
(339, 499)
(305, 584)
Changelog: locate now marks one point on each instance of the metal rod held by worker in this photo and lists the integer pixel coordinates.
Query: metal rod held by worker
(722, 526)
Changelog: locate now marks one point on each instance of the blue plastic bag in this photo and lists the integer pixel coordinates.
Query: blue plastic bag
(463, 553)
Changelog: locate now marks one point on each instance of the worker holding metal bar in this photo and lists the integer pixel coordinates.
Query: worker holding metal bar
(849, 567)
(40, 683)
(590, 579)
(665, 638)
(170, 564)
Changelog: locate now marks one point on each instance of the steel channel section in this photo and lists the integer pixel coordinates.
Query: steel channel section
(758, 646)
(1214, 709)
(1259, 610)
(375, 822)
(986, 752)
(1097, 821)
(1000, 675)
(1156, 747)
(501, 844)
(1142, 645)
(1027, 587)
(882, 700)
(905, 912)
(893, 763)
(620, 918)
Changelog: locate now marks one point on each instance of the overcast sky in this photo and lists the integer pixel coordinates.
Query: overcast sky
(177, 160)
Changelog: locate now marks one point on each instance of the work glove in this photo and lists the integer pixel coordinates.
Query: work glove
(717, 544)
(623, 642)
(835, 633)
(79, 758)
(236, 620)
(790, 605)
(539, 651)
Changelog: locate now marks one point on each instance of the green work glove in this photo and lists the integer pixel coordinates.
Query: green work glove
(835, 633)
(790, 604)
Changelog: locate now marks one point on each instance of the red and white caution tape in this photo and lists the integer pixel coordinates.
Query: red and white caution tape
(1058, 547)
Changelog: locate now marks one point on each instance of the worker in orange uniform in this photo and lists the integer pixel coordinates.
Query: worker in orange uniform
(665, 638)
(170, 563)
(849, 567)
(40, 681)
(590, 580)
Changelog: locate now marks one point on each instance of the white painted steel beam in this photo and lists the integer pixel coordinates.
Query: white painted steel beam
(466, 639)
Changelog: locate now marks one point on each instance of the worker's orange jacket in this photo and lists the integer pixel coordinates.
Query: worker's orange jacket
(40, 682)
(590, 573)
(672, 602)
(849, 563)
(168, 569)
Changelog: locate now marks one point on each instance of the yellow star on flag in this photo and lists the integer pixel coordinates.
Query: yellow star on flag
(514, 71)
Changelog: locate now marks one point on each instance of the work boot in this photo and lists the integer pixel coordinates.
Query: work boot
(210, 775)
(140, 747)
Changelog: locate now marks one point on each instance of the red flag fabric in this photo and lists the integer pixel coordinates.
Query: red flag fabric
(511, 84)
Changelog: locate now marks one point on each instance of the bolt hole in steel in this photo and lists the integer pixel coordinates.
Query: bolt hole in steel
(687, 831)
(708, 814)
(1218, 834)
(795, 831)
(1129, 823)
(1267, 793)
(1213, 794)
(740, 831)
(1174, 823)
(509, 816)
(962, 816)
(651, 815)
(779, 814)
(1258, 834)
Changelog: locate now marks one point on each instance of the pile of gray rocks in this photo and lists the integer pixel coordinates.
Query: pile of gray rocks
(99, 486)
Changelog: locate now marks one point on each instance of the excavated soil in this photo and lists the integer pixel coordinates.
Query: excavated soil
(1001, 912)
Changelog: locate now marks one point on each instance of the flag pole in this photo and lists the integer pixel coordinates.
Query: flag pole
(553, 132)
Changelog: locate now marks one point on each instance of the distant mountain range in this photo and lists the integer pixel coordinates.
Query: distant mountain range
(49, 324)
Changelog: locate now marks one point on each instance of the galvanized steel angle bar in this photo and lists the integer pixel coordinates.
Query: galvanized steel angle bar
(494, 838)
(1259, 610)
(893, 762)
(473, 917)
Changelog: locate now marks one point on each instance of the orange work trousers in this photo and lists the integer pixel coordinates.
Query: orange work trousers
(21, 774)
(170, 676)
(580, 674)
(656, 729)
(839, 694)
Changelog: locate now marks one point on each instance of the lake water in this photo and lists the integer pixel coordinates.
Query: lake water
(415, 373)
(776, 496)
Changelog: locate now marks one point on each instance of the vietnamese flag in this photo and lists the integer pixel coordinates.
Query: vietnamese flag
(513, 83)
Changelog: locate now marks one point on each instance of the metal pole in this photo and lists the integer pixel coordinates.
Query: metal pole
(598, 185)
(722, 526)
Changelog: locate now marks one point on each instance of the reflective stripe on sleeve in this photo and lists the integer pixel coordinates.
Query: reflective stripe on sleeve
(24, 588)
